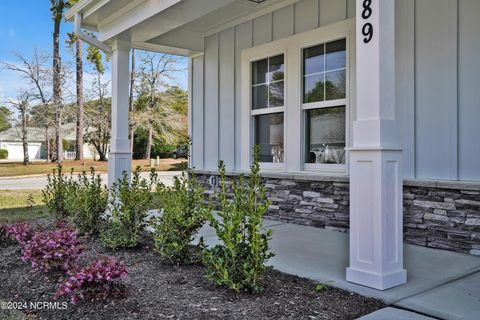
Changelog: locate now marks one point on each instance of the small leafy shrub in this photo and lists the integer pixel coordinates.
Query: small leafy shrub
(184, 212)
(5, 238)
(19, 231)
(3, 154)
(129, 204)
(53, 249)
(99, 280)
(87, 202)
(56, 193)
(239, 261)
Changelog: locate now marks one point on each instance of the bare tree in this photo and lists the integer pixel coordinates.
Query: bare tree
(97, 116)
(130, 100)
(80, 109)
(152, 113)
(57, 8)
(22, 106)
(37, 73)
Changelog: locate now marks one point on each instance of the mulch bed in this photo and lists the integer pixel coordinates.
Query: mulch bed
(159, 290)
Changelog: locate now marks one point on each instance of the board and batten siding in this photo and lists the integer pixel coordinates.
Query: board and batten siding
(437, 72)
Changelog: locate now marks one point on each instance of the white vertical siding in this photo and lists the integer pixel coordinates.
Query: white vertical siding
(306, 15)
(196, 111)
(243, 40)
(262, 27)
(435, 89)
(283, 22)
(211, 103)
(405, 80)
(332, 11)
(437, 72)
(469, 89)
(226, 107)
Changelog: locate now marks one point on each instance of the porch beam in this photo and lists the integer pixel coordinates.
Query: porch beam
(119, 157)
(376, 238)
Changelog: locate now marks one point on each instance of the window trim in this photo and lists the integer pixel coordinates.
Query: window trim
(269, 110)
(294, 108)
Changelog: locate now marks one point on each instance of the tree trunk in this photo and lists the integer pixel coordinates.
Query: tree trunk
(130, 101)
(57, 91)
(26, 158)
(80, 116)
(47, 144)
(149, 142)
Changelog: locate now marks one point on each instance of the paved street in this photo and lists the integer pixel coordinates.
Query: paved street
(39, 182)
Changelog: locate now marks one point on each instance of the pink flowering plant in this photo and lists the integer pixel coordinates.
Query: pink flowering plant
(99, 280)
(54, 249)
(19, 231)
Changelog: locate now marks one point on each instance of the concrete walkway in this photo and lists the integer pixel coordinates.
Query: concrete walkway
(441, 284)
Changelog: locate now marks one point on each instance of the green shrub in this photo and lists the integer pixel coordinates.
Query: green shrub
(239, 261)
(56, 192)
(3, 153)
(128, 206)
(184, 212)
(87, 202)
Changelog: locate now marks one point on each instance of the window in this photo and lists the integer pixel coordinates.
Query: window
(267, 107)
(296, 102)
(324, 101)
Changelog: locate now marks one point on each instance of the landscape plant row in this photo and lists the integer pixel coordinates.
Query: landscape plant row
(120, 216)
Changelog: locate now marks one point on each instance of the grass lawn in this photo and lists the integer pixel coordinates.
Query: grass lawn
(18, 169)
(14, 205)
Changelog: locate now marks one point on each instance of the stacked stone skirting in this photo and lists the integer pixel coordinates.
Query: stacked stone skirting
(437, 214)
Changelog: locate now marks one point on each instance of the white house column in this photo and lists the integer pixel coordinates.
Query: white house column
(376, 240)
(120, 157)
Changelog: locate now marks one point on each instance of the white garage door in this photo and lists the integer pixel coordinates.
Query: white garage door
(15, 151)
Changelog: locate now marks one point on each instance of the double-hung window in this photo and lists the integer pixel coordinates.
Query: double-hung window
(268, 106)
(297, 102)
(324, 102)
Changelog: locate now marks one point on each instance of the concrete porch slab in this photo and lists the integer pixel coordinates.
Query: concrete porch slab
(459, 299)
(394, 314)
(322, 255)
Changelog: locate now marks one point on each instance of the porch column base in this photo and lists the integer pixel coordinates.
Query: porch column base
(119, 162)
(377, 281)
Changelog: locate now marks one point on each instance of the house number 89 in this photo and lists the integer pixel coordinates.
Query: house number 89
(367, 29)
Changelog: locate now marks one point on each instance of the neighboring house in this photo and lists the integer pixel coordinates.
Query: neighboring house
(11, 141)
(367, 112)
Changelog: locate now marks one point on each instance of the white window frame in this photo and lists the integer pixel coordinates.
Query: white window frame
(294, 108)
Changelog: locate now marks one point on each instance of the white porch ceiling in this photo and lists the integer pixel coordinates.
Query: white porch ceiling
(171, 26)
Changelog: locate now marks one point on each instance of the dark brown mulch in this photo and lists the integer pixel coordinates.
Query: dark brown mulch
(159, 290)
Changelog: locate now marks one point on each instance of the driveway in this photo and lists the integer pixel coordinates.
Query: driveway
(39, 182)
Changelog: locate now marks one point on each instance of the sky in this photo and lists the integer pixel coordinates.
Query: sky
(26, 25)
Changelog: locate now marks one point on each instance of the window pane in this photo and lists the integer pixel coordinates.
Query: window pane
(336, 55)
(269, 136)
(276, 69)
(260, 96)
(325, 135)
(313, 88)
(313, 60)
(276, 92)
(335, 85)
(259, 71)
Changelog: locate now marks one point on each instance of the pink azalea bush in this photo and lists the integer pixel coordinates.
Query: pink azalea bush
(19, 231)
(99, 280)
(54, 249)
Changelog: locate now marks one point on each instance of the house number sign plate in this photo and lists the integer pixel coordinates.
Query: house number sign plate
(367, 29)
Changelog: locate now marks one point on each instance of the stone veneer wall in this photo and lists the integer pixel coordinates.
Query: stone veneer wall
(437, 214)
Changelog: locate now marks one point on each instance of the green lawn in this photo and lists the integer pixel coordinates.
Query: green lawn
(18, 169)
(14, 205)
